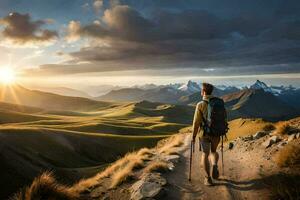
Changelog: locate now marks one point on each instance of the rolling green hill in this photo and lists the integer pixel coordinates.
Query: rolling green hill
(78, 144)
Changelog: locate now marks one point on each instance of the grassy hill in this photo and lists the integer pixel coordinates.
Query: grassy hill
(78, 144)
(17, 94)
(243, 127)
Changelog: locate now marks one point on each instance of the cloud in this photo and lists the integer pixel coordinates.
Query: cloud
(20, 29)
(98, 4)
(74, 29)
(126, 39)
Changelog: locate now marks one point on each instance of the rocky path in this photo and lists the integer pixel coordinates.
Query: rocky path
(244, 166)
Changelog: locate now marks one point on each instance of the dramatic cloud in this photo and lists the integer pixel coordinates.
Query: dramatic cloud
(125, 38)
(21, 29)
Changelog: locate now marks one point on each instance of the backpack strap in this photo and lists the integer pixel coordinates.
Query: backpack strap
(204, 119)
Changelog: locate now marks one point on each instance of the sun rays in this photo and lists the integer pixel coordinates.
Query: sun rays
(7, 75)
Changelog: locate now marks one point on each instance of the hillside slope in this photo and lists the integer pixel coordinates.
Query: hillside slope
(250, 103)
(77, 145)
(162, 172)
(17, 94)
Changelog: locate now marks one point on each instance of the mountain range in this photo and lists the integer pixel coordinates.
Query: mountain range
(277, 102)
(258, 100)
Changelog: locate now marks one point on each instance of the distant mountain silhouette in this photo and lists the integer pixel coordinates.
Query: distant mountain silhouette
(165, 94)
(17, 94)
(65, 91)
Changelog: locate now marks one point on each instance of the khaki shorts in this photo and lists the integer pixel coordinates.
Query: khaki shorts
(209, 144)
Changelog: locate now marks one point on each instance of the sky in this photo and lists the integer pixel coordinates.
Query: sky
(129, 42)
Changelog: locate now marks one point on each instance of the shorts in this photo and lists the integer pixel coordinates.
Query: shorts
(209, 144)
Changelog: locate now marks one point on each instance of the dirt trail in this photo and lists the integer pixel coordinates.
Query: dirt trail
(242, 179)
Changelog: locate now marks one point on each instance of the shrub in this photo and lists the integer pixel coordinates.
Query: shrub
(46, 187)
(284, 128)
(269, 127)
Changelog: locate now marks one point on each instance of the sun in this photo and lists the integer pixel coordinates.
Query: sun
(7, 75)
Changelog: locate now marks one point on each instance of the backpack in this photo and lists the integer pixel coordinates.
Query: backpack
(216, 122)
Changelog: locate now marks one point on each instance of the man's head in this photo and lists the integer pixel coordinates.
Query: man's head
(207, 89)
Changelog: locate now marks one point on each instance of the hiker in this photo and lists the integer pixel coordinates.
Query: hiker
(210, 117)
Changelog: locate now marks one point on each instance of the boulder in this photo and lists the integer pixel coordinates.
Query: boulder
(259, 134)
(148, 187)
(292, 137)
(270, 141)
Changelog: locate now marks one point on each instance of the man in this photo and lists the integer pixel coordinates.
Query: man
(208, 143)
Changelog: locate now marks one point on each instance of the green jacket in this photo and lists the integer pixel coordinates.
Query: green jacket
(201, 110)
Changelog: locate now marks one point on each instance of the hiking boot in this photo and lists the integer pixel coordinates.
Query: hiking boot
(215, 172)
(208, 181)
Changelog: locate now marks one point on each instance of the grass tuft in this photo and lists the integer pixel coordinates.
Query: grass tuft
(46, 187)
(158, 166)
(269, 127)
(284, 128)
(170, 147)
(288, 156)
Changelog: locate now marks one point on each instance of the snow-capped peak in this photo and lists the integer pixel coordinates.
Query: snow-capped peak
(275, 90)
(190, 87)
(261, 85)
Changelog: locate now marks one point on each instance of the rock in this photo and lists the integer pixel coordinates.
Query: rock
(259, 135)
(272, 133)
(247, 138)
(282, 144)
(172, 158)
(230, 145)
(291, 137)
(149, 186)
(270, 141)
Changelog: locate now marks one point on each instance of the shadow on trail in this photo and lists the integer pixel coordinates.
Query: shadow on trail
(254, 184)
(282, 186)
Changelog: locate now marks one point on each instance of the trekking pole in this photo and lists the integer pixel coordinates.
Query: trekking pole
(222, 157)
(191, 159)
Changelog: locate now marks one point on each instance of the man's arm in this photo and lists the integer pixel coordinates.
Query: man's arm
(197, 120)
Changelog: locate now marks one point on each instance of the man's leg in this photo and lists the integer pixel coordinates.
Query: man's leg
(205, 163)
(215, 156)
(205, 145)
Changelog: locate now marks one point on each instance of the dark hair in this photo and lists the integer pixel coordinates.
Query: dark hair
(207, 88)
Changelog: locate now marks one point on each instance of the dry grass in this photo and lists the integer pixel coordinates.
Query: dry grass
(289, 156)
(157, 166)
(46, 187)
(269, 127)
(283, 186)
(126, 171)
(284, 128)
(170, 146)
(118, 172)
(146, 153)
